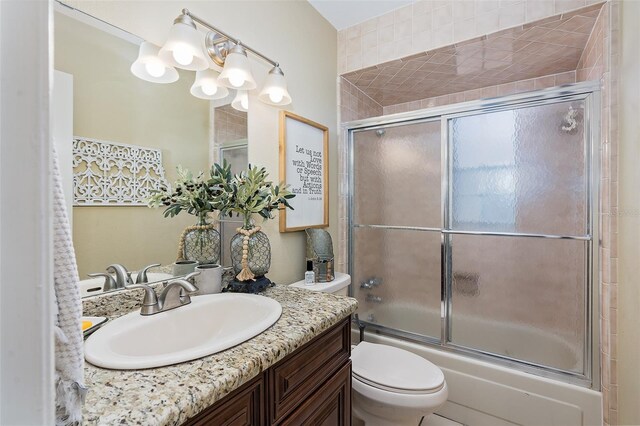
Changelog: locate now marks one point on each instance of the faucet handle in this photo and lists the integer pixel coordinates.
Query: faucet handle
(150, 298)
(187, 287)
(371, 283)
(176, 294)
(141, 278)
(109, 282)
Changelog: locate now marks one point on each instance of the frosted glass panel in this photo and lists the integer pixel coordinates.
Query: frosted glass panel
(397, 176)
(520, 297)
(522, 170)
(406, 267)
(236, 157)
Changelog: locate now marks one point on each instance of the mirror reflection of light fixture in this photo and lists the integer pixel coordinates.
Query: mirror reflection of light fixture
(183, 48)
(274, 91)
(241, 101)
(206, 85)
(236, 73)
(148, 66)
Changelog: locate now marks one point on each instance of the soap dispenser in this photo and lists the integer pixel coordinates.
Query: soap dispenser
(309, 276)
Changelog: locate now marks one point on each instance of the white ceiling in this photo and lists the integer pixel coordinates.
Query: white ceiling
(345, 13)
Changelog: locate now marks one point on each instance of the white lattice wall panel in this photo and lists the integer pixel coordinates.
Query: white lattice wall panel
(114, 174)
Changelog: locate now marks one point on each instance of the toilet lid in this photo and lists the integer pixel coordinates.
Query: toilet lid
(394, 368)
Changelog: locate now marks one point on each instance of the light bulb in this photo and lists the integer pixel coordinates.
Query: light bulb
(276, 96)
(209, 89)
(245, 102)
(182, 55)
(236, 79)
(155, 69)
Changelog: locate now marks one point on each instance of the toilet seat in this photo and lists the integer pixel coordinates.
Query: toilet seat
(395, 370)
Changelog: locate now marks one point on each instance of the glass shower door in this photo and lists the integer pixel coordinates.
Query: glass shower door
(473, 230)
(396, 227)
(518, 234)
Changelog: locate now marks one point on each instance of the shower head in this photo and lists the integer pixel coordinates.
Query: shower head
(570, 120)
(380, 132)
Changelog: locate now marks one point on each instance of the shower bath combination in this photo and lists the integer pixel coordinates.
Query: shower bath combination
(496, 256)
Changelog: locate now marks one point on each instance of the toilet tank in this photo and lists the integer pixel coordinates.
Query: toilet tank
(339, 286)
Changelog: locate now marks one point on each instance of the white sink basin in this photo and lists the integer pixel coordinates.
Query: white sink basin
(209, 324)
(93, 286)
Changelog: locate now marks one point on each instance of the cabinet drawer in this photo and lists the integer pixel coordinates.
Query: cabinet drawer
(296, 377)
(242, 407)
(330, 405)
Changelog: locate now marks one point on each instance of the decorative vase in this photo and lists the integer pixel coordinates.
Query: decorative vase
(200, 242)
(250, 252)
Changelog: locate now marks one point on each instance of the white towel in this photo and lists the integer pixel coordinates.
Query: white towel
(69, 361)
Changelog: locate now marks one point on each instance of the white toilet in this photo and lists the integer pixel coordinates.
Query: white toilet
(390, 386)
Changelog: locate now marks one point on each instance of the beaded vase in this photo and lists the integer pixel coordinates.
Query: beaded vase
(250, 253)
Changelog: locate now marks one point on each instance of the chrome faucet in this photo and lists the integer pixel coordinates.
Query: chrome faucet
(174, 295)
(122, 276)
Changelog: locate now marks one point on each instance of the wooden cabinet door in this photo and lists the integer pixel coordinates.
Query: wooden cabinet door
(328, 406)
(294, 379)
(243, 407)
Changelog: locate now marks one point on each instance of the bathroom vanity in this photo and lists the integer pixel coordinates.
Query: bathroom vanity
(310, 386)
(296, 372)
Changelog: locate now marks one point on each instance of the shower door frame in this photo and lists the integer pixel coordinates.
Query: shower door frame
(589, 92)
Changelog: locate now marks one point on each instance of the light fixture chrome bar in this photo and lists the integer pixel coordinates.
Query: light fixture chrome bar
(228, 37)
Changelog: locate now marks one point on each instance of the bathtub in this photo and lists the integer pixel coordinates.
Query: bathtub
(484, 393)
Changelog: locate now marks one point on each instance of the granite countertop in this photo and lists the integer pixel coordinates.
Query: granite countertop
(170, 395)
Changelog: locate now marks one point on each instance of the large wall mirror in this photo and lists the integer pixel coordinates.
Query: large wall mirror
(96, 97)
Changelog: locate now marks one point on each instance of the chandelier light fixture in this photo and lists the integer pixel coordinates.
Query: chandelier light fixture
(186, 49)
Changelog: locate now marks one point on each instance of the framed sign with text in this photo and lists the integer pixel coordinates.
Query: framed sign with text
(304, 166)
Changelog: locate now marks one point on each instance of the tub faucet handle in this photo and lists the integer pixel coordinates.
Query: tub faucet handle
(371, 283)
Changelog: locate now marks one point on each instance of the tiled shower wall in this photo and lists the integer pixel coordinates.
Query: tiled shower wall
(599, 62)
(427, 24)
(486, 92)
(229, 124)
(355, 104)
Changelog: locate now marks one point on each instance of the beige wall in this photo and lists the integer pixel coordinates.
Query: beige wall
(291, 32)
(629, 218)
(112, 104)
